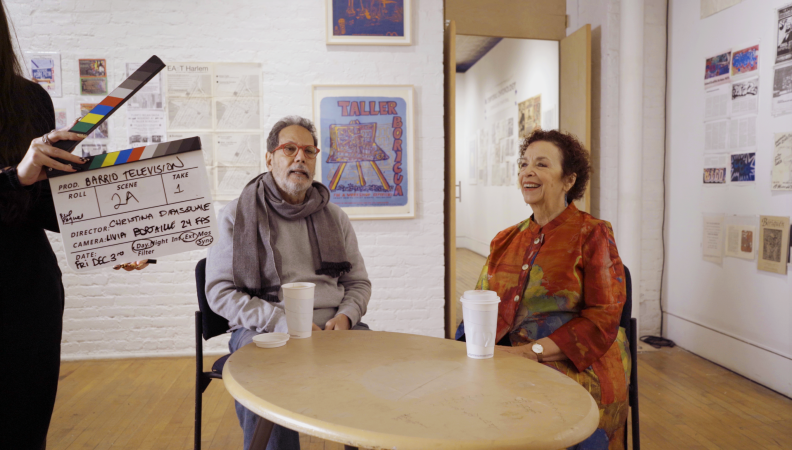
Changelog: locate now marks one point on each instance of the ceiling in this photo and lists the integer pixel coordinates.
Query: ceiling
(469, 49)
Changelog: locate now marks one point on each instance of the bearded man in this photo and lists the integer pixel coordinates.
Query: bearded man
(283, 229)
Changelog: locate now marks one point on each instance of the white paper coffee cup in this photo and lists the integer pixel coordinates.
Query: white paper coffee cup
(480, 310)
(298, 301)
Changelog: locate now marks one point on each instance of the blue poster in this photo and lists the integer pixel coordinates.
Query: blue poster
(368, 17)
(364, 150)
(743, 167)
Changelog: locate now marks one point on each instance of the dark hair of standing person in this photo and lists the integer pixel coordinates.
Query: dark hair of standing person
(16, 121)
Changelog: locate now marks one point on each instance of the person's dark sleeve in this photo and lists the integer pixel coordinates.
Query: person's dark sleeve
(42, 211)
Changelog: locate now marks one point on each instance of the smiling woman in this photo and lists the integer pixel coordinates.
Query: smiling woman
(561, 282)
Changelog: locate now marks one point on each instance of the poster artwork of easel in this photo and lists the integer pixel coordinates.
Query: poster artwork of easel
(134, 204)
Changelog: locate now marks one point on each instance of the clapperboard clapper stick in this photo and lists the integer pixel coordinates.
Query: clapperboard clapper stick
(113, 102)
(138, 203)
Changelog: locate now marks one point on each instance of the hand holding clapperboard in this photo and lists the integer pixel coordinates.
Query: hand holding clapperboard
(134, 204)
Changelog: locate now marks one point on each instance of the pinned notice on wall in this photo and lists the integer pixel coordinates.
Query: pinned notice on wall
(712, 238)
(140, 203)
(773, 244)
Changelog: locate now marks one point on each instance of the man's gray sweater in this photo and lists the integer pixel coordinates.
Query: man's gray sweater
(296, 261)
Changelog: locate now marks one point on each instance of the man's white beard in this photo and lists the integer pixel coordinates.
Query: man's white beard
(290, 187)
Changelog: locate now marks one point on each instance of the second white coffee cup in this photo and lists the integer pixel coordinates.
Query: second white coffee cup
(298, 301)
(480, 312)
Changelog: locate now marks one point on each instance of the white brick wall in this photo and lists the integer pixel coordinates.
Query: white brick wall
(150, 313)
(603, 15)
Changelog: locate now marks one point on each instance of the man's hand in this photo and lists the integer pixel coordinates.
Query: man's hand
(339, 322)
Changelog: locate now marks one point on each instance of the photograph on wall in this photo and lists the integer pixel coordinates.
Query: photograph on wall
(93, 76)
(743, 167)
(715, 169)
(773, 244)
(44, 68)
(782, 90)
(529, 115)
(368, 22)
(745, 96)
(367, 149)
(740, 237)
(781, 176)
(745, 61)
(784, 40)
(716, 69)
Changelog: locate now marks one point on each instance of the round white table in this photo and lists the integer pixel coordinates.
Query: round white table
(402, 391)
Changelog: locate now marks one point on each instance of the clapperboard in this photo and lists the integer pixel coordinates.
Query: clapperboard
(139, 203)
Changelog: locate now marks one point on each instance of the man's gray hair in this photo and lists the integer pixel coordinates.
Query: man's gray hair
(272, 139)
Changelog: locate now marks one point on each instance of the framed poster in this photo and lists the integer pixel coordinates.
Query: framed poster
(44, 68)
(368, 22)
(366, 137)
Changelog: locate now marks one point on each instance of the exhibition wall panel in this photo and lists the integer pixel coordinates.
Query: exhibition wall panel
(725, 309)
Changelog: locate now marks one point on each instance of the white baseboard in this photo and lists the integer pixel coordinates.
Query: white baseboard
(763, 366)
(474, 246)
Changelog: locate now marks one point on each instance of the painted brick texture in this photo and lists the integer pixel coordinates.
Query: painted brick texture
(150, 312)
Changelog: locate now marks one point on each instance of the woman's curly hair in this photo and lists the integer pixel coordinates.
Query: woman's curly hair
(574, 157)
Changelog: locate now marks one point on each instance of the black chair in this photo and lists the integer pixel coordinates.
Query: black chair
(630, 325)
(207, 325)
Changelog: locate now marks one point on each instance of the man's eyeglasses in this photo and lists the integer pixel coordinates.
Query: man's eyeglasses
(290, 150)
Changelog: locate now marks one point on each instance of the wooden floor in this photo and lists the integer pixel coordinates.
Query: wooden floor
(686, 402)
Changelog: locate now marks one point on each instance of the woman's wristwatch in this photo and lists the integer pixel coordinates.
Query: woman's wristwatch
(538, 350)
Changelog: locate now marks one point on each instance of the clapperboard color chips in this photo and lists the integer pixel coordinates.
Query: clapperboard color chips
(112, 102)
(139, 203)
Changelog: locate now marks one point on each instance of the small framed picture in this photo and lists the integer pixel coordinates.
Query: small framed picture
(368, 22)
(367, 140)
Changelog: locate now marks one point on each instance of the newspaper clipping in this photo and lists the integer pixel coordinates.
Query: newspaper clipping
(773, 244)
(745, 97)
(715, 136)
(782, 163)
(712, 238)
(784, 43)
(717, 102)
(782, 90)
(742, 132)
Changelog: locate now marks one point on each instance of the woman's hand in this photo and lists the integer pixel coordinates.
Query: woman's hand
(129, 267)
(40, 155)
(523, 350)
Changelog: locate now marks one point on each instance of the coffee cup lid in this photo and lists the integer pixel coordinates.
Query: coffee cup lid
(480, 297)
(302, 285)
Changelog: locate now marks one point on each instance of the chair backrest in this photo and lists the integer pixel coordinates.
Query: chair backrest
(213, 325)
(624, 322)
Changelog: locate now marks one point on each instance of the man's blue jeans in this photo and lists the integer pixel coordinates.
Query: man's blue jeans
(281, 438)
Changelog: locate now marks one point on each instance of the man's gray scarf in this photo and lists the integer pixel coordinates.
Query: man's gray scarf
(257, 275)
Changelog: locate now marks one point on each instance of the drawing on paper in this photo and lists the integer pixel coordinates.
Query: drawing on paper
(771, 246)
(743, 167)
(530, 115)
(715, 175)
(746, 241)
(717, 69)
(745, 60)
(368, 17)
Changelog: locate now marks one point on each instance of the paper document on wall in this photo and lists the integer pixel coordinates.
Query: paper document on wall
(773, 244)
(742, 132)
(781, 178)
(140, 203)
(782, 90)
(740, 237)
(716, 102)
(716, 169)
(716, 134)
(745, 97)
(712, 239)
